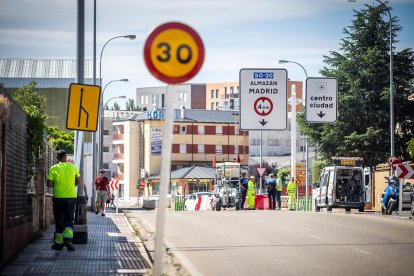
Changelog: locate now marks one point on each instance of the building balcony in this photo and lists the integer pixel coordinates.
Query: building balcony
(118, 136)
(118, 156)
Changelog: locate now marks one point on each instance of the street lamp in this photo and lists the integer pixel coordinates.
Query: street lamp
(102, 128)
(131, 37)
(282, 61)
(391, 84)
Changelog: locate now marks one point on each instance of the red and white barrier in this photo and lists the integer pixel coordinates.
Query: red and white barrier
(113, 185)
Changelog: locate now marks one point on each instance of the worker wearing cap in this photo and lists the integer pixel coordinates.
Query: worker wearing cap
(101, 188)
(250, 193)
(63, 177)
(291, 190)
(279, 188)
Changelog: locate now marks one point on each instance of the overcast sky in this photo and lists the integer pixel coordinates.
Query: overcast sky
(236, 34)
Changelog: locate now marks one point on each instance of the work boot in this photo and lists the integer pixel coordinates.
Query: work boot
(57, 246)
(103, 214)
(69, 246)
(97, 212)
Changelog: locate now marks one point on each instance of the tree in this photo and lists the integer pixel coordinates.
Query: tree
(362, 69)
(34, 106)
(116, 106)
(130, 105)
(61, 139)
(410, 148)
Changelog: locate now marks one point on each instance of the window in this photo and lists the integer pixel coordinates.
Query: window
(106, 132)
(105, 165)
(146, 99)
(142, 99)
(217, 93)
(219, 149)
(237, 90)
(230, 91)
(183, 148)
(200, 129)
(183, 129)
(212, 106)
(106, 149)
(217, 104)
(273, 142)
(155, 100)
(200, 148)
(219, 130)
(184, 97)
(212, 93)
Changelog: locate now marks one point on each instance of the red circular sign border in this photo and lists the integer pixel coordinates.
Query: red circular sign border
(258, 99)
(147, 52)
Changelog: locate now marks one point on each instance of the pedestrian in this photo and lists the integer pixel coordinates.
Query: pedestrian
(279, 188)
(101, 187)
(108, 199)
(64, 177)
(250, 193)
(112, 201)
(271, 192)
(291, 190)
(243, 189)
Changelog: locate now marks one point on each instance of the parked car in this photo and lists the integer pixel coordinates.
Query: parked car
(191, 201)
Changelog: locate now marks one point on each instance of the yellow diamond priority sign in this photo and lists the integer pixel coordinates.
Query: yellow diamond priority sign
(83, 107)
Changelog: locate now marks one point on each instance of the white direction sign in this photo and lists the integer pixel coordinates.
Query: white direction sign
(321, 100)
(263, 99)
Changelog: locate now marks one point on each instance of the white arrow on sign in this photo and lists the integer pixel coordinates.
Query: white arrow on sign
(405, 171)
(261, 171)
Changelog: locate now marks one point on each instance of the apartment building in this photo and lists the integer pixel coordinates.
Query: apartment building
(198, 137)
(190, 96)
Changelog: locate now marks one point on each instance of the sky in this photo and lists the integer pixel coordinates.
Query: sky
(236, 34)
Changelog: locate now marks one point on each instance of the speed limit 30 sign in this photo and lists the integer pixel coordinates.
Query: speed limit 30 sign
(174, 52)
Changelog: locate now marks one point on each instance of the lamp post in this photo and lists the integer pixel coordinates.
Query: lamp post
(102, 128)
(131, 37)
(282, 61)
(391, 85)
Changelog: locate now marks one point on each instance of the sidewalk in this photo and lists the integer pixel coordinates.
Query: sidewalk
(112, 249)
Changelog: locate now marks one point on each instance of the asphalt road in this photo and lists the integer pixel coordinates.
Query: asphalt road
(289, 243)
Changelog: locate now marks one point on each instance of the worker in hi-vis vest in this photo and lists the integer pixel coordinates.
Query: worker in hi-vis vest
(64, 177)
(251, 193)
(291, 191)
(279, 188)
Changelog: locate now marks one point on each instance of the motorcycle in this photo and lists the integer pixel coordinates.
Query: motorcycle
(392, 204)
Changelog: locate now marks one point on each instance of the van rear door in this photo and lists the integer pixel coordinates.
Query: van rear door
(367, 183)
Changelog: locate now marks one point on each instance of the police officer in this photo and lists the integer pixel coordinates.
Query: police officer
(243, 189)
(271, 192)
(279, 188)
(291, 190)
(63, 177)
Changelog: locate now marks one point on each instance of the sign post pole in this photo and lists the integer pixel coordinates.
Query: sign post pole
(173, 53)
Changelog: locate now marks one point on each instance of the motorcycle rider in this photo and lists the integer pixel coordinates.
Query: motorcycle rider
(391, 189)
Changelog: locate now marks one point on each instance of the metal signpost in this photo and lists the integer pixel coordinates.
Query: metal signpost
(173, 53)
(263, 99)
(321, 100)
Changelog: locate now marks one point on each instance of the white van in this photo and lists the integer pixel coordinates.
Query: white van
(345, 184)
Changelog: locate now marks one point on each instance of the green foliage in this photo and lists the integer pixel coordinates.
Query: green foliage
(284, 175)
(317, 167)
(116, 106)
(34, 106)
(61, 140)
(410, 148)
(130, 105)
(362, 70)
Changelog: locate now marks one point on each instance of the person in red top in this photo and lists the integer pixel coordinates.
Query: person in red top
(101, 187)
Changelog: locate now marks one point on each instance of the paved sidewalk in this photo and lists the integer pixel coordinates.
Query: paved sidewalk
(112, 249)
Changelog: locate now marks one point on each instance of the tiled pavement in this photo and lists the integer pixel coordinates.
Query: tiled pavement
(111, 250)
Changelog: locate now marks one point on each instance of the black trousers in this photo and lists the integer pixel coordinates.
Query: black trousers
(243, 198)
(271, 193)
(64, 213)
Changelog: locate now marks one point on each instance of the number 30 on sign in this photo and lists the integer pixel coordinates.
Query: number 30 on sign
(174, 52)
